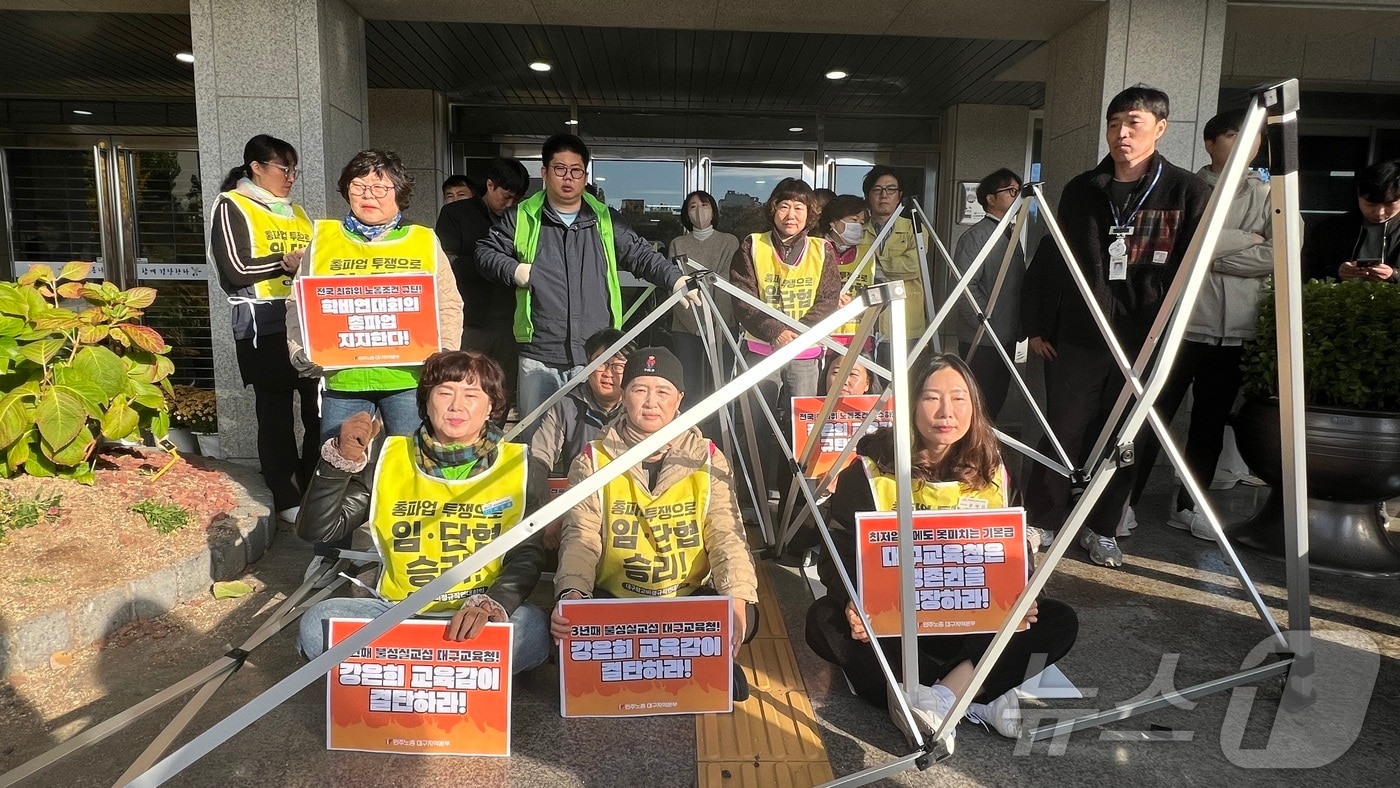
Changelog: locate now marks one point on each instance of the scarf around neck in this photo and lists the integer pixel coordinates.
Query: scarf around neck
(631, 436)
(370, 232)
(434, 456)
(282, 206)
(702, 234)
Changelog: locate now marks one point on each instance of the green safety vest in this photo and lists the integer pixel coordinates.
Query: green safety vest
(527, 240)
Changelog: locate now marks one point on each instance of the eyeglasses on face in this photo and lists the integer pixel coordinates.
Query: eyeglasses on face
(290, 172)
(375, 190)
(569, 173)
(1014, 191)
(883, 191)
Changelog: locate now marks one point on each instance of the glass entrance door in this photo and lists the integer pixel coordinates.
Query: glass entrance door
(741, 181)
(131, 205)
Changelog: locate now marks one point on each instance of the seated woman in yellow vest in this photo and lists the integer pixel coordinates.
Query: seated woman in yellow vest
(793, 273)
(257, 237)
(703, 552)
(378, 189)
(431, 500)
(956, 464)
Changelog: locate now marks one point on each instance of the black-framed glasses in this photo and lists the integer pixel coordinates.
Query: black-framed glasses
(1014, 190)
(378, 190)
(290, 172)
(883, 191)
(571, 173)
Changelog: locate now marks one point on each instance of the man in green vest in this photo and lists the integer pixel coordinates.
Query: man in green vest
(562, 249)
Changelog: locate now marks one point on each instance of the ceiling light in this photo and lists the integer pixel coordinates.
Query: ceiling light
(760, 181)
(836, 73)
(540, 66)
(184, 57)
(795, 128)
(600, 178)
(81, 112)
(571, 122)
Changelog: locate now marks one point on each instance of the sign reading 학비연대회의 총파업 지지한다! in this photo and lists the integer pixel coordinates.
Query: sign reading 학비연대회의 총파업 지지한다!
(380, 320)
(414, 692)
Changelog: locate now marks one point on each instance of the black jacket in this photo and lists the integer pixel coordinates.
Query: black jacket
(1051, 305)
(1335, 240)
(568, 282)
(486, 302)
(337, 503)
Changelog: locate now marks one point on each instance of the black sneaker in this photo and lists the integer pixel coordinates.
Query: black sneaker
(741, 684)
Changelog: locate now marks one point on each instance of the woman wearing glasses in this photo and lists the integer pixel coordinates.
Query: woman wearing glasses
(372, 238)
(256, 238)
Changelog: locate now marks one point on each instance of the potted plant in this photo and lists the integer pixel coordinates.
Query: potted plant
(193, 411)
(1352, 394)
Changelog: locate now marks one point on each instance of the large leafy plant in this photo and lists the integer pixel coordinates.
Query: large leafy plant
(1349, 335)
(75, 363)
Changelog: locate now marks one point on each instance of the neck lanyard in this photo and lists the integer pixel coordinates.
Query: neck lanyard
(1124, 227)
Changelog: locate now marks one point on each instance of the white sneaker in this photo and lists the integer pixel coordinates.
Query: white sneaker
(1103, 550)
(1040, 538)
(1193, 521)
(1004, 714)
(1127, 524)
(929, 706)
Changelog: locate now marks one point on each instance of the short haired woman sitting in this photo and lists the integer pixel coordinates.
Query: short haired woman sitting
(956, 464)
(455, 457)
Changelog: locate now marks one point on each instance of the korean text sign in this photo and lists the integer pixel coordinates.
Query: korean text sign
(639, 657)
(969, 568)
(382, 320)
(414, 692)
(839, 430)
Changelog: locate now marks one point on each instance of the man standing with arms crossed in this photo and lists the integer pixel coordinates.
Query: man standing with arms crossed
(1128, 222)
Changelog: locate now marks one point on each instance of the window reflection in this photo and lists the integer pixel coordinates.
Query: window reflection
(741, 190)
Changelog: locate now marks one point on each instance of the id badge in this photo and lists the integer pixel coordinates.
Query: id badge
(1118, 260)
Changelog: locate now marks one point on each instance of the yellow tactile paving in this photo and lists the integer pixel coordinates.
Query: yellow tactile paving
(772, 739)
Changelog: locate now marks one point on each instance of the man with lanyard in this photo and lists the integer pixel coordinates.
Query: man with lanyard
(1128, 221)
(666, 528)
(562, 250)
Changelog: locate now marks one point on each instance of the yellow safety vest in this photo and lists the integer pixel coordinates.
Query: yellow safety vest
(847, 268)
(791, 289)
(423, 525)
(336, 253)
(271, 233)
(936, 495)
(653, 547)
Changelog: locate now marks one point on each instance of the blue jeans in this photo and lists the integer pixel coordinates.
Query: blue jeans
(538, 381)
(530, 643)
(397, 409)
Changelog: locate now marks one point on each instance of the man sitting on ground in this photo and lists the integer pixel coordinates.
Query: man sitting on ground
(698, 550)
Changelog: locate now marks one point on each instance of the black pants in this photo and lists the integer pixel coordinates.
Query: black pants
(829, 636)
(1213, 374)
(286, 468)
(1082, 384)
(699, 378)
(993, 376)
(499, 344)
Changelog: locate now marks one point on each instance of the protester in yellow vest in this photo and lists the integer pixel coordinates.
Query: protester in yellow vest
(257, 236)
(378, 189)
(793, 273)
(430, 501)
(956, 463)
(897, 257)
(671, 526)
(842, 222)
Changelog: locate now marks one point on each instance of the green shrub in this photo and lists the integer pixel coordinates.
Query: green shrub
(164, 517)
(69, 376)
(17, 513)
(1350, 330)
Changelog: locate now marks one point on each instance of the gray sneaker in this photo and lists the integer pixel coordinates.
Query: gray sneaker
(1127, 524)
(1193, 521)
(1040, 538)
(1103, 550)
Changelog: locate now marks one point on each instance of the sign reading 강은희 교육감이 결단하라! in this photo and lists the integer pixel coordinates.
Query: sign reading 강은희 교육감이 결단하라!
(639, 657)
(414, 692)
(969, 568)
(839, 430)
(383, 320)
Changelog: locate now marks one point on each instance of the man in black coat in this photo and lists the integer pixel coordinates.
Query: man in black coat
(1363, 243)
(1128, 221)
(488, 307)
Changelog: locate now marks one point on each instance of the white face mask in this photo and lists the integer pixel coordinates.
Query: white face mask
(700, 216)
(851, 233)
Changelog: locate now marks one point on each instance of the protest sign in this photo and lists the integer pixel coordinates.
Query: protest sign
(969, 568)
(413, 692)
(557, 487)
(639, 657)
(839, 430)
(382, 320)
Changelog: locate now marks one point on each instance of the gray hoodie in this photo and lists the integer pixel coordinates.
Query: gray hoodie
(1228, 306)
